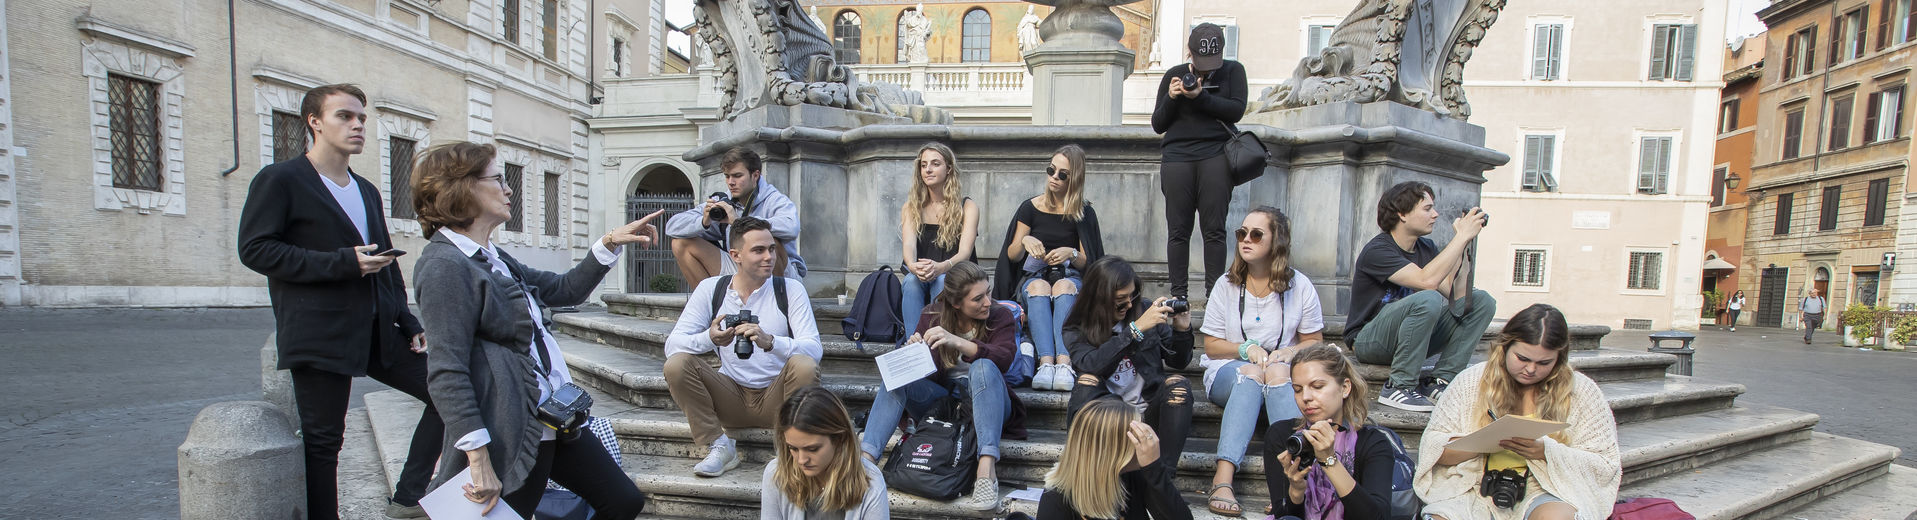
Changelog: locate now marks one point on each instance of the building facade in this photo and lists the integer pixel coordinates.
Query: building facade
(1736, 140)
(1831, 156)
(137, 137)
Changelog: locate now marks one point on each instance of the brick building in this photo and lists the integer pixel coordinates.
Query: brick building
(1736, 136)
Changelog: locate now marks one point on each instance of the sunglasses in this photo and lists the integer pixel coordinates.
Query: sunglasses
(1256, 235)
(1057, 173)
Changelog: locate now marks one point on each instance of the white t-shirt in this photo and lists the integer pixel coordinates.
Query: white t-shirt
(1737, 304)
(1265, 320)
(350, 202)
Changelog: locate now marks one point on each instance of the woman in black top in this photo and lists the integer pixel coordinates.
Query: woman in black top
(1122, 346)
(1193, 173)
(1112, 467)
(1051, 237)
(1349, 475)
(935, 232)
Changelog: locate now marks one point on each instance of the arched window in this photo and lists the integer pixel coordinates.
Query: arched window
(898, 56)
(845, 37)
(977, 44)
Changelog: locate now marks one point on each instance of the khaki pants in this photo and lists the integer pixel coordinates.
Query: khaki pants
(713, 401)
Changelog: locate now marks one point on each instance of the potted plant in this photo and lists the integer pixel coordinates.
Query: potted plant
(663, 283)
(1903, 332)
(1712, 300)
(1860, 323)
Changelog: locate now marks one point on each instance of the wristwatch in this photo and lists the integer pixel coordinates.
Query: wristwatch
(1329, 461)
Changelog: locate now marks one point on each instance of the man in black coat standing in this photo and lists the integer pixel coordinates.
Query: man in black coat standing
(317, 231)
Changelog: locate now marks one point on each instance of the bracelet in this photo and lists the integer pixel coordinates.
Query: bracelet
(1137, 335)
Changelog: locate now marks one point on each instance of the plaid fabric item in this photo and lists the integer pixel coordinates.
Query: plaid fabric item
(602, 428)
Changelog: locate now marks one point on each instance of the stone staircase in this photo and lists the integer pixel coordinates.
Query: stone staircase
(1682, 438)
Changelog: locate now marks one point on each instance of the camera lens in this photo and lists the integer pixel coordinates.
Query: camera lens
(1299, 449)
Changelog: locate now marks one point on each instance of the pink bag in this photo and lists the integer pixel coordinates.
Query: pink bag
(1649, 509)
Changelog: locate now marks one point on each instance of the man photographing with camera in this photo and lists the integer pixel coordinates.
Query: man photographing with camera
(1401, 303)
(699, 234)
(762, 329)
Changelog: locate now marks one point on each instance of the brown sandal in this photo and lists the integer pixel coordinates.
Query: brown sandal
(1211, 497)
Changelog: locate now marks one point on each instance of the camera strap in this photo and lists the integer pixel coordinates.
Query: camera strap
(778, 295)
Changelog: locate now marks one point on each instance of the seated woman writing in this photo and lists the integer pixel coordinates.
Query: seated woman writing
(1347, 470)
(1112, 467)
(818, 473)
(1570, 474)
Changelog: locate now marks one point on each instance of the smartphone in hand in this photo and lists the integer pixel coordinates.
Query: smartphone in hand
(393, 252)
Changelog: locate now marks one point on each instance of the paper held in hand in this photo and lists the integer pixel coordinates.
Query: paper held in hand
(905, 364)
(449, 502)
(1486, 439)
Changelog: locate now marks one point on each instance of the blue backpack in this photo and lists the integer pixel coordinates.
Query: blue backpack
(875, 312)
(1023, 366)
(1405, 504)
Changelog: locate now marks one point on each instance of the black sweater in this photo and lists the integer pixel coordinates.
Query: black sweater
(1193, 127)
(1371, 468)
(1150, 493)
(1162, 353)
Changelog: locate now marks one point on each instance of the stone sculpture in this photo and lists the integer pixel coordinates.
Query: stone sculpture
(770, 52)
(1406, 51)
(1028, 30)
(915, 31)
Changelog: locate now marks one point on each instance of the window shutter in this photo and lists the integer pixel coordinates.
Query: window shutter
(1532, 156)
(1231, 42)
(1910, 20)
(1862, 31)
(1895, 97)
(1883, 26)
(1810, 50)
(1660, 47)
(1790, 57)
(1664, 153)
(1647, 165)
(1686, 51)
(1546, 173)
(1836, 41)
(1541, 53)
(1870, 116)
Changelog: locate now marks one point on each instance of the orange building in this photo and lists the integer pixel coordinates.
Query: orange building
(1736, 142)
(962, 31)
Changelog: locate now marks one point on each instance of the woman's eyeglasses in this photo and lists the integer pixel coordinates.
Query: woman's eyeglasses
(501, 179)
(1256, 235)
(1057, 173)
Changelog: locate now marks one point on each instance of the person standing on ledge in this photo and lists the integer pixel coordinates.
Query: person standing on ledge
(1197, 103)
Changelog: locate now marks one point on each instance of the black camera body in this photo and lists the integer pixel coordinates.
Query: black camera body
(1053, 273)
(741, 346)
(565, 411)
(1178, 305)
(1300, 449)
(1504, 486)
(1190, 80)
(719, 215)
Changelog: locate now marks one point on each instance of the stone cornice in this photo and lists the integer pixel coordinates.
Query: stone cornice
(99, 28)
(386, 105)
(291, 79)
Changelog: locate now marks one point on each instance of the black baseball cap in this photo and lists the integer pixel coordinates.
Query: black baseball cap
(1207, 47)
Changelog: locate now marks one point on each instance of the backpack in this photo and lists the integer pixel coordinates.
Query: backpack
(1405, 504)
(778, 295)
(875, 312)
(939, 460)
(1023, 363)
(1649, 509)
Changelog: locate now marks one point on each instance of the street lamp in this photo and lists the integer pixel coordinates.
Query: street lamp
(1730, 181)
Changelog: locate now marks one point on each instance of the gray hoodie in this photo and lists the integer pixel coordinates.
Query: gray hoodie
(767, 204)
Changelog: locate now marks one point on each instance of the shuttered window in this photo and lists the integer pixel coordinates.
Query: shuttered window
(1653, 165)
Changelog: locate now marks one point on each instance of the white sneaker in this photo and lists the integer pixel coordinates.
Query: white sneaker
(723, 457)
(984, 494)
(1063, 378)
(1042, 379)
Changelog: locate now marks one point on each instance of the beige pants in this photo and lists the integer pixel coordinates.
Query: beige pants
(713, 401)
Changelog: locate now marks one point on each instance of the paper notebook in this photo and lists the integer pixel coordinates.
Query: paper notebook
(1486, 439)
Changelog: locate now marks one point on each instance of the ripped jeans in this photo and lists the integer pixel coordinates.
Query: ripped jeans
(1241, 398)
(1167, 411)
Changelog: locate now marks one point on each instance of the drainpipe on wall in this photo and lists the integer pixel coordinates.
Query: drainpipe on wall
(233, 78)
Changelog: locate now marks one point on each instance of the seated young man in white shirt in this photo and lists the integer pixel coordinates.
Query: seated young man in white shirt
(781, 350)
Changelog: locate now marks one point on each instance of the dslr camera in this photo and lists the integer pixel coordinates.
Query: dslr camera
(565, 411)
(1190, 80)
(1504, 486)
(740, 345)
(1178, 305)
(719, 215)
(1300, 448)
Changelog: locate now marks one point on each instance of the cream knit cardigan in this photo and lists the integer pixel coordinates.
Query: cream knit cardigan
(1584, 473)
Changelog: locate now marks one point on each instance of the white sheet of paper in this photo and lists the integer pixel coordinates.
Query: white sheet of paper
(449, 502)
(1030, 494)
(1486, 439)
(905, 364)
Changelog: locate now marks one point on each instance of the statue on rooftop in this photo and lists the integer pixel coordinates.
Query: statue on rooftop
(771, 52)
(1406, 51)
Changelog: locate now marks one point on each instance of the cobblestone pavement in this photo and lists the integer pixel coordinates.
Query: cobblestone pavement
(1860, 394)
(99, 400)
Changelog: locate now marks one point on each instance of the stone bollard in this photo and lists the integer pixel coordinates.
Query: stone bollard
(240, 460)
(276, 386)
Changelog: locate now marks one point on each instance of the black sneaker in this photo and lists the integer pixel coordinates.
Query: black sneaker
(1405, 399)
(1433, 386)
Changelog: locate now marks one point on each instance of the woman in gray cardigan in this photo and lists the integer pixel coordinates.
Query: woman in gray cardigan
(492, 360)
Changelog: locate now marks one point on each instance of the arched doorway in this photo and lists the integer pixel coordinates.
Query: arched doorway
(1820, 280)
(652, 269)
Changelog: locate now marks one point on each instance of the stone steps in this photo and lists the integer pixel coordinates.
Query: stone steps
(827, 312)
(1888, 497)
(648, 336)
(639, 379)
(1771, 481)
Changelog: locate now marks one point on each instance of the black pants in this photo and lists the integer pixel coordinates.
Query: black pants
(1167, 411)
(1203, 187)
(322, 397)
(584, 467)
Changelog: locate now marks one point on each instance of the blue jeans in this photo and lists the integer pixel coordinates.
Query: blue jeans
(914, 295)
(1410, 330)
(1241, 396)
(1045, 315)
(991, 407)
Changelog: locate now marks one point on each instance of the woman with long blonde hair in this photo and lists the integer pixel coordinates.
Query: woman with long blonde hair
(818, 472)
(937, 233)
(1111, 468)
(1572, 473)
(1052, 236)
(1347, 467)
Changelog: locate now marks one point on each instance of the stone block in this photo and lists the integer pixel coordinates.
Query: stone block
(240, 460)
(276, 386)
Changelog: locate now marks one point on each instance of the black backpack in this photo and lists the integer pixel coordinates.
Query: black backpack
(875, 312)
(778, 295)
(940, 460)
